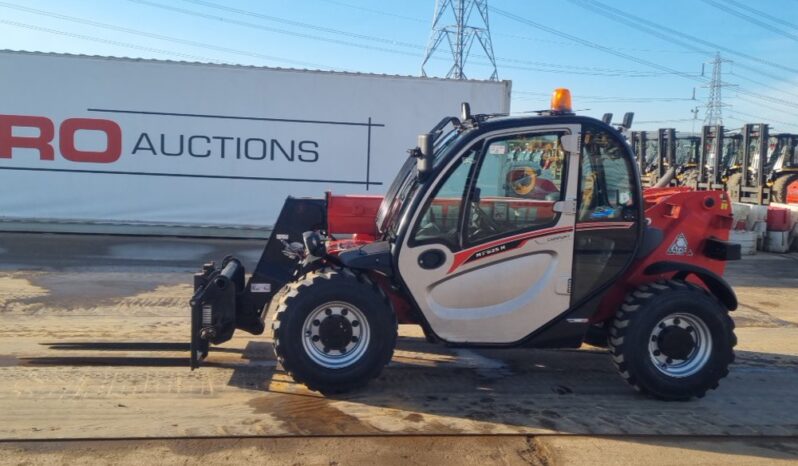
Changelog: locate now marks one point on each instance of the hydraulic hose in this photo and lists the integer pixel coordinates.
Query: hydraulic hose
(666, 178)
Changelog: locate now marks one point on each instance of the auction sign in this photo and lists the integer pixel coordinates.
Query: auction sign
(95, 139)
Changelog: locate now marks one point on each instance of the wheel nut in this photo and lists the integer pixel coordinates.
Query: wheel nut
(355, 339)
(344, 312)
(669, 361)
(315, 338)
(677, 321)
(355, 323)
(661, 325)
(328, 312)
(326, 350)
(657, 352)
(316, 322)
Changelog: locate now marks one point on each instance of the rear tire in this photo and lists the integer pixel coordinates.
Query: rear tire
(333, 330)
(672, 340)
(779, 189)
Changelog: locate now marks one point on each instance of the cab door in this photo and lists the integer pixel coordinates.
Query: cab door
(488, 256)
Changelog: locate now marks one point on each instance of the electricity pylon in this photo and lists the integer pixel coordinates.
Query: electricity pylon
(470, 24)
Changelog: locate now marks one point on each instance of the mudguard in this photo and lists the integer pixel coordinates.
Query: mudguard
(714, 283)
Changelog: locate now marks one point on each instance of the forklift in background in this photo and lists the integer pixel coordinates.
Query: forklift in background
(656, 156)
(710, 159)
(687, 149)
(745, 174)
(782, 167)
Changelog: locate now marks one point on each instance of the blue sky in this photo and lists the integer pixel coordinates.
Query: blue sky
(390, 37)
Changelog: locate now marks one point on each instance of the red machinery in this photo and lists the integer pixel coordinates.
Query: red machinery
(478, 257)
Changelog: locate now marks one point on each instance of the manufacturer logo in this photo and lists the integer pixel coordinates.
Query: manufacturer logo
(679, 247)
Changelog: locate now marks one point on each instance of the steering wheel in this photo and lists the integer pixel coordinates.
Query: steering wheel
(522, 180)
(483, 221)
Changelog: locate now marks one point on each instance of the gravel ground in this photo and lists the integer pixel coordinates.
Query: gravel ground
(93, 347)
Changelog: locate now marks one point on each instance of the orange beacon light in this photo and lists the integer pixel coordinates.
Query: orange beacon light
(561, 100)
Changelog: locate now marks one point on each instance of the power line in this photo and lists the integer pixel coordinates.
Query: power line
(109, 41)
(680, 120)
(763, 119)
(636, 22)
(150, 35)
(290, 22)
(374, 11)
(209, 4)
(613, 71)
(759, 71)
(763, 14)
(494, 33)
(568, 71)
(637, 99)
(751, 19)
(270, 29)
(594, 45)
(761, 105)
(537, 65)
(763, 84)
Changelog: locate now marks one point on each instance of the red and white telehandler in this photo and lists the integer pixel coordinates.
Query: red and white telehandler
(497, 232)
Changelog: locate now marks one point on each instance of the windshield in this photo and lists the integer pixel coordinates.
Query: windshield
(406, 183)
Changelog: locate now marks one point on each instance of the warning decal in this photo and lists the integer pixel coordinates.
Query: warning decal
(679, 247)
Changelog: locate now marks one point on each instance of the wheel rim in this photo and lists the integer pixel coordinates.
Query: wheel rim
(680, 345)
(335, 335)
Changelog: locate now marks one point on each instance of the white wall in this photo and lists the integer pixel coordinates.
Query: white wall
(332, 113)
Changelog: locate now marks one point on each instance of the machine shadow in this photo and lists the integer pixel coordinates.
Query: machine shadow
(433, 389)
(122, 361)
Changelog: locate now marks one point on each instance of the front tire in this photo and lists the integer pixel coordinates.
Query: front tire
(672, 340)
(333, 330)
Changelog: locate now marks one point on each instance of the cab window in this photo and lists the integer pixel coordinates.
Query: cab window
(606, 182)
(440, 219)
(519, 180)
(607, 211)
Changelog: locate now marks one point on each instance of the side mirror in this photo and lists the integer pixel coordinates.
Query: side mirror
(425, 155)
(607, 118)
(627, 119)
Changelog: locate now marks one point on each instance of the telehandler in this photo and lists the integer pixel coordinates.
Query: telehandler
(483, 249)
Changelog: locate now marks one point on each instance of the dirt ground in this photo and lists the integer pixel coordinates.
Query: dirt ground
(94, 367)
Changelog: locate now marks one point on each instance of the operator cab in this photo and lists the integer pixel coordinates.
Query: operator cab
(554, 198)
